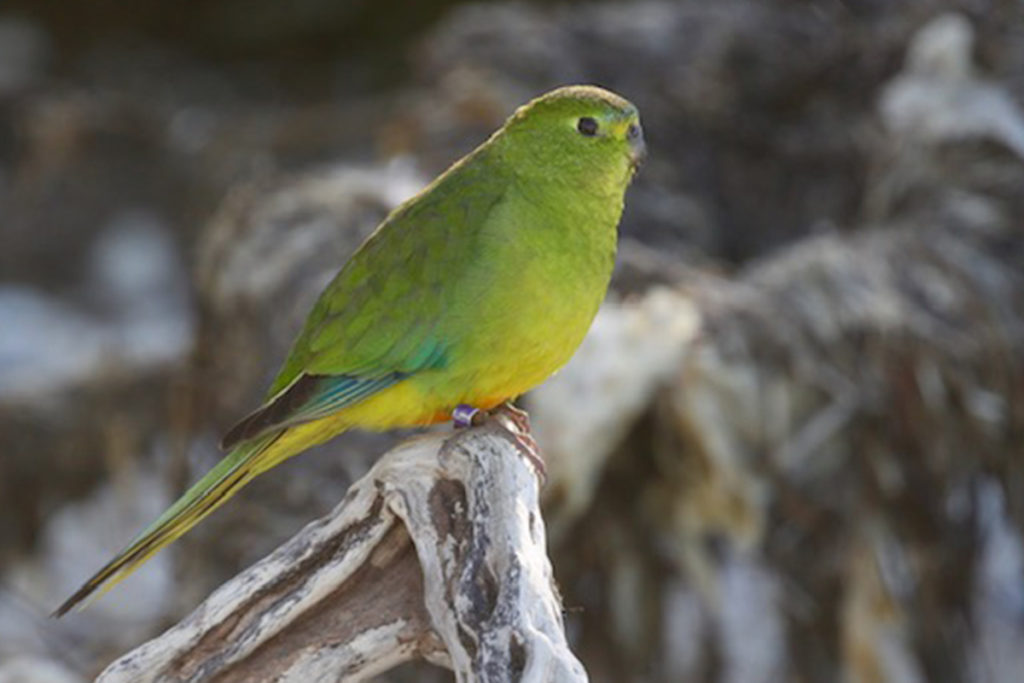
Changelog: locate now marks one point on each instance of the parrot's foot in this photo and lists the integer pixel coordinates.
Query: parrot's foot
(516, 422)
(524, 440)
(520, 418)
(528, 447)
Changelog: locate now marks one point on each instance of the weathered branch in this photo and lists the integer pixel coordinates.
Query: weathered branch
(437, 553)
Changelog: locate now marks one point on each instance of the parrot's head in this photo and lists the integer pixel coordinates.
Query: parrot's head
(581, 135)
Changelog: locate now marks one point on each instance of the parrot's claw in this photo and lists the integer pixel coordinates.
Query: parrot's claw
(528, 447)
(520, 418)
(524, 440)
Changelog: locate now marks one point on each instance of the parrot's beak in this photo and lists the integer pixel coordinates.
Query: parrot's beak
(637, 146)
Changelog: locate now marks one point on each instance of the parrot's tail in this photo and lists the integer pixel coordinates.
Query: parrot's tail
(229, 475)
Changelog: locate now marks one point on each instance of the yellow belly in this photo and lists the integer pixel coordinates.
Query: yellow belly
(520, 363)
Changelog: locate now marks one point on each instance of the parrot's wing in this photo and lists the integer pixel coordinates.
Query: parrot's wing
(308, 398)
(387, 314)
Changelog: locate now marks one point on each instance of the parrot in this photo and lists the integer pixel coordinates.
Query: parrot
(468, 294)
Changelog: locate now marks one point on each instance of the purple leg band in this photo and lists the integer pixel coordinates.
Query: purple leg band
(463, 415)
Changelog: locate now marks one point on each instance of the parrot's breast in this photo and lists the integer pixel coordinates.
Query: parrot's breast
(543, 272)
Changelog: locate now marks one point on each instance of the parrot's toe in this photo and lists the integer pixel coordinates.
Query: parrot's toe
(528, 447)
(519, 417)
(524, 440)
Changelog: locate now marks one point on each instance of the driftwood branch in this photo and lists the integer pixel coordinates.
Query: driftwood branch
(438, 553)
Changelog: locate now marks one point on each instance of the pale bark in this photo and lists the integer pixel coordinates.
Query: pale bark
(438, 553)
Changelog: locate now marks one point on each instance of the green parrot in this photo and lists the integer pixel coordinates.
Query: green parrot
(469, 294)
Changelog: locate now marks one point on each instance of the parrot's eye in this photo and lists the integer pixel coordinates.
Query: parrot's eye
(632, 132)
(587, 126)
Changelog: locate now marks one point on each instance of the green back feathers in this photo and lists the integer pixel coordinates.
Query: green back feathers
(380, 314)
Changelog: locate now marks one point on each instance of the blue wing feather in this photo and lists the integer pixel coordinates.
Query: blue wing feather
(311, 397)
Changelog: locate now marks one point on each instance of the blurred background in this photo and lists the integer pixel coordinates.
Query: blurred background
(792, 448)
